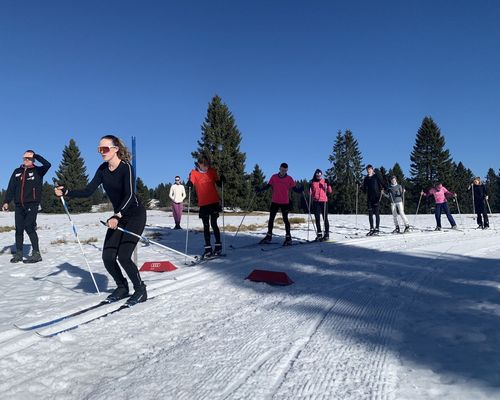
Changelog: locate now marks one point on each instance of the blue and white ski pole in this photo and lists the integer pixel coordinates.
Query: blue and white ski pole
(78, 240)
(148, 241)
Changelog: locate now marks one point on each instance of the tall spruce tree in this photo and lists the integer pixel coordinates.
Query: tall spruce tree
(143, 193)
(72, 175)
(50, 203)
(345, 174)
(430, 161)
(385, 203)
(462, 180)
(493, 190)
(220, 141)
(257, 179)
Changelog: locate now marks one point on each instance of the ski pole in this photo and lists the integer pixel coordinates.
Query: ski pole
(309, 212)
(78, 240)
(357, 195)
(416, 212)
(149, 241)
(491, 214)
(250, 203)
(187, 221)
(459, 213)
(223, 224)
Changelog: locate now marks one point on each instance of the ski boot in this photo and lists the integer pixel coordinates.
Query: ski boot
(33, 258)
(288, 241)
(375, 232)
(119, 293)
(326, 238)
(18, 257)
(319, 237)
(140, 295)
(177, 226)
(207, 253)
(486, 226)
(454, 227)
(407, 229)
(267, 239)
(438, 228)
(370, 233)
(396, 230)
(218, 249)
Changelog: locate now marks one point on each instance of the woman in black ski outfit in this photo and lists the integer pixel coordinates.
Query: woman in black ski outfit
(117, 178)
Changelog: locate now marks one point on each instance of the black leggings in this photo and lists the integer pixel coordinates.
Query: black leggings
(25, 219)
(209, 214)
(119, 247)
(320, 208)
(481, 213)
(374, 209)
(285, 208)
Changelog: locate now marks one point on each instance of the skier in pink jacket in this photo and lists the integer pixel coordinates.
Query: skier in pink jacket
(319, 203)
(441, 194)
(281, 184)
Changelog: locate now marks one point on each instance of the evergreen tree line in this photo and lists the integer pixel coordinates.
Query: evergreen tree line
(220, 141)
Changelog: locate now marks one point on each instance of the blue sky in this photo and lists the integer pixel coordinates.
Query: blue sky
(292, 72)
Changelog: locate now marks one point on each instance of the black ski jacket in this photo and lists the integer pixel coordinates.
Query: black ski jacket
(25, 184)
(372, 186)
(479, 194)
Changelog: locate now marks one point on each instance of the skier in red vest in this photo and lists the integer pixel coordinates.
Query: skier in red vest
(204, 178)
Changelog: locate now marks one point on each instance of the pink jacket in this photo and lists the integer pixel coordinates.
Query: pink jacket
(318, 190)
(439, 195)
(281, 188)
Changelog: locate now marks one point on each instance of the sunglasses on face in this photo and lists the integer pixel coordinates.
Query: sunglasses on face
(105, 149)
(28, 158)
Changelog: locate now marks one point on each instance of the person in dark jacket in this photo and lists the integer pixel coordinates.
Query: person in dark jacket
(117, 178)
(25, 188)
(480, 197)
(373, 187)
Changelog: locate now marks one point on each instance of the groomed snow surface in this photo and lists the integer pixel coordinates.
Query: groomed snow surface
(414, 316)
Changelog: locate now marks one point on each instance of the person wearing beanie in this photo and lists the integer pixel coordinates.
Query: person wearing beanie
(318, 190)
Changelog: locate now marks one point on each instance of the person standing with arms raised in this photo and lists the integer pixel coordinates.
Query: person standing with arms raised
(117, 178)
(25, 188)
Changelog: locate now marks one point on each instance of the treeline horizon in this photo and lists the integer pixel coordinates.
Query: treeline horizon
(220, 140)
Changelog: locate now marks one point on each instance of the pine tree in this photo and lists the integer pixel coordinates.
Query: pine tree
(50, 203)
(430, 161)
(143, 193)
(385, 204)
(220, 141)
(72, 175)
(256, 179)
(462, 180)
(345, 174)
(161, 193)
(493, 190)
(398, 173)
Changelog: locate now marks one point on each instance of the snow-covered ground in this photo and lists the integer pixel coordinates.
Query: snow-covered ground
(413, 316)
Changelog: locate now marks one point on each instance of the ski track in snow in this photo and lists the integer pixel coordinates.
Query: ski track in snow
(217, 340)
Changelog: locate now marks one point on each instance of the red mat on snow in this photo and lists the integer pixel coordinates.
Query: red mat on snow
(158, 266)
(271, 277)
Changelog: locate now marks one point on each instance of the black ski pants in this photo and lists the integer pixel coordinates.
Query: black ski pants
(209, 215)
(119, 247)
(25, 220)
(481, 214)
(320, 208)
(374, 209)
(285, 209)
